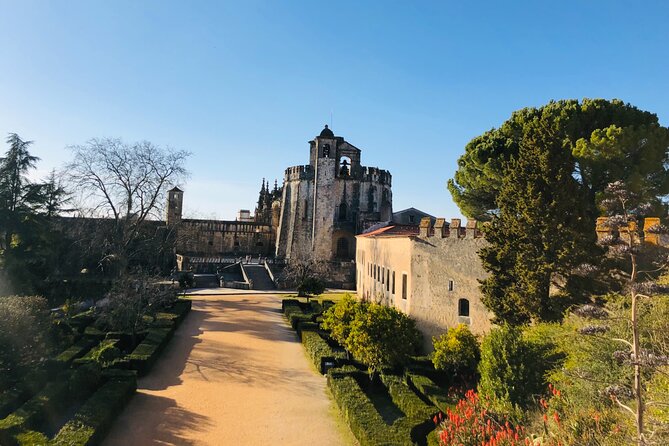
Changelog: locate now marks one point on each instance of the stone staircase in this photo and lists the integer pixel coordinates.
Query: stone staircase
(259, 277)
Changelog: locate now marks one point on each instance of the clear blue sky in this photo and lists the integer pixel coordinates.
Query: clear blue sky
(244, 85)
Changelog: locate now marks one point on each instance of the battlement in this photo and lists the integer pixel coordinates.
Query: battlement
(454, 229)
(604, 229)
(374, 174)
(299, 173)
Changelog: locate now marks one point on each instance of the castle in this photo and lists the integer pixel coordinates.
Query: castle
(314, 216)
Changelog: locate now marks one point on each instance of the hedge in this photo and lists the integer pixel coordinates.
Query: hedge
(317, 349)
(147, 352)
(406, 399)
(56, 397)
(91, 422)
(181, 308)
(430, 390)
(76, 350)
(289, 303)
(305, 326)
(361, 415)
(11, 399)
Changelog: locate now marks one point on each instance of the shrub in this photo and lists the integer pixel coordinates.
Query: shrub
(186, 280)
(147, 352)
(438, 396)
(317, 349)
(90, 423)
(339, 317)
(106, 352)
(457, 351)
(382, 337)
(361, 415)
(311, 286)
(512, 368)
(76, 350)
(406, 400)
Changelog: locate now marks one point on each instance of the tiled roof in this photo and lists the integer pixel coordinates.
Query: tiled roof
(393, 231)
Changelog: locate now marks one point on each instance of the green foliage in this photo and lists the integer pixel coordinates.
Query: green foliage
(540, 235)
(362, 417)
(311, 286)
(147, 352)
(438, 396)
(382, 336)
(608, 140)
(317, 349)
(106, 352)
(457, 351)
(91, 422)
(186, 280)
(25, 328)
(339, 317)
(513, 368)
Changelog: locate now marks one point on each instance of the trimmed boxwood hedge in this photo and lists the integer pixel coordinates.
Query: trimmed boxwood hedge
(147, 352)
(91, 422)
(430, 390)
(406, 399)
(76, 350)
(317, 349)
(361, 415)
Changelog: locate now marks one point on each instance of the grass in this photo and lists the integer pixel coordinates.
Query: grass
(335, 297)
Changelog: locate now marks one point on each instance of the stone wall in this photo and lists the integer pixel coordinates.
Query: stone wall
(441, 267)
(219, 237)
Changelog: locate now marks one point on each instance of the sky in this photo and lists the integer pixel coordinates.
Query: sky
(243, 85)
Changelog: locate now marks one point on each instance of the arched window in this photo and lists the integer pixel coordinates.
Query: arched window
(342, 248)
(342, 211)
(463, 307)
(344, 166)
(326, 150)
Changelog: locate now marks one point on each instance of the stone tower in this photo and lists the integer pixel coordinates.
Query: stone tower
(326, 203)
(175, 200)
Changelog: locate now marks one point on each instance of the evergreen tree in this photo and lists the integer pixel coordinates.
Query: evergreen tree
(609, 140)
(541, 234)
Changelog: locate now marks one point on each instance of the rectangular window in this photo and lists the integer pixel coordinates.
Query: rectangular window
(404, 286)
(387, 280)
(375, 271)
(393, 282)
(450, 285)
(383, 276)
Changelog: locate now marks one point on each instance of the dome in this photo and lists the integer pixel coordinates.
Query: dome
(326, 133)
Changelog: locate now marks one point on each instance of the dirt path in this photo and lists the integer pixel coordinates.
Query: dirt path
(234, 374)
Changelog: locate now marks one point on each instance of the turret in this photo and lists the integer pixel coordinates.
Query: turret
(175, 199)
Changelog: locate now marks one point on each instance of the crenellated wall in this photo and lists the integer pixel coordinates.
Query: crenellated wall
(442, 267)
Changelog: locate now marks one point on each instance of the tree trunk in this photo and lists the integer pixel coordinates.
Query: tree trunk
(636, 352)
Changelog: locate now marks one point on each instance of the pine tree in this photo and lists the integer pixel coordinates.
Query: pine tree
(541, 233)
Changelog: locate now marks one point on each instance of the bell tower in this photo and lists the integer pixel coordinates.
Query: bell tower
(175, 199)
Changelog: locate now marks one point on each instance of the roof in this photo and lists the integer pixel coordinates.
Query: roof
(393, 231)
(326, 133)
(175, 189)
(413, 210)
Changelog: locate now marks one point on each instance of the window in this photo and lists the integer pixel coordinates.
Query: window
(393, 282)
(387, 280)
(404, 286)
(211, 243)
(450, 285)
(342, 212)
(326, 150)
(259, 243)
(374, 274)
(306, 209)
(383, 276)
(463, 307)
(411, 218)
(342, 248)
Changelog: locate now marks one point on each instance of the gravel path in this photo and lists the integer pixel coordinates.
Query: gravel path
(234, 374)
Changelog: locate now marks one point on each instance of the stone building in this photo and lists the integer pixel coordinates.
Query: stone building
(327, 202)
(202, 245)
(429, 272)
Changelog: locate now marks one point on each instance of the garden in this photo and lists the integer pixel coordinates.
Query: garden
(67, 372)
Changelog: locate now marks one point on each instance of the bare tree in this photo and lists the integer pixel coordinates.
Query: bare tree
(626, 242)
(125, 183)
